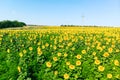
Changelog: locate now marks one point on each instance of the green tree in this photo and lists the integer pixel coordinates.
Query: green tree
(8, 24)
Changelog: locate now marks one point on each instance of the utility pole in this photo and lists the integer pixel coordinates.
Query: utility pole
(83, 18)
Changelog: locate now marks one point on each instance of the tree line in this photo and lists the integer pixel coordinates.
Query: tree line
(9, 24)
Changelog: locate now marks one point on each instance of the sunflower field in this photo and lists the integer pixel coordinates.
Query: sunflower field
(60, 53)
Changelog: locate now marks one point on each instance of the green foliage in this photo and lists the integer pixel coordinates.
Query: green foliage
(8, 24)
(24, 55)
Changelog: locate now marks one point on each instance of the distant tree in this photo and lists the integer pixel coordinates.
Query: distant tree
(8, 24)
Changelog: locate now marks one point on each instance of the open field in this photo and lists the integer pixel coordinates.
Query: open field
(58, 53)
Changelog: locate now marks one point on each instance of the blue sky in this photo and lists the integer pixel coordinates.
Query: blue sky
(57, 12)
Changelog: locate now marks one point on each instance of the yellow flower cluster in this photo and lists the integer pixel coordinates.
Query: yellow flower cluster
(66, 53)
(48, 64)
(39, 51)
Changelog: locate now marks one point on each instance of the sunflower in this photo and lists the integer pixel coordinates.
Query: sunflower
(66, 76)
(83, 51)
(116, 62)
(68, 63)
(54, 47)
(109, 76)
(69, 44)
(30, 48)
(101, 68)
(106, 54)
(65, 54)
(65, 38)
(110, 50)
(78, 63)
(103, 47)
(55, 72)
(38, 43)
(1, 39)
(97, 62)
(46, 44)
(59, 54)
(117, 50)
(71, 66)
(43, 47)
(24, 51)
(39, 52)
(20, 54)
(113, 46)
(73, 48)
(8, 50)
(48, 64)
(95, 57)
(78, 56)
(55, 58)
(19, 69)
(94, 53)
